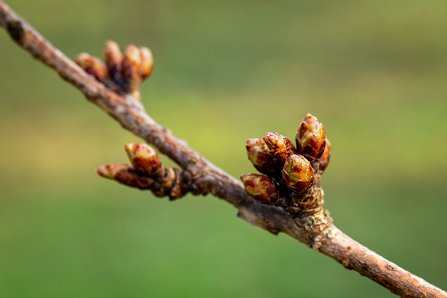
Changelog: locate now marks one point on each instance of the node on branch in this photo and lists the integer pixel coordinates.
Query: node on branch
(121, 73)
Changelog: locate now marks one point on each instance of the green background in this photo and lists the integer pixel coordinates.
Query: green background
(373, 71)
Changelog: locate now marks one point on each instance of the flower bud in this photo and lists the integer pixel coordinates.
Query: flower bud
(110, 171)
(131, 69)
(93, 66)
(114, 58)
(124, 174)
(147, 63)
(261, 188)
(325, 157)
(132, 57)
(260, 156)
(280, 146)
(310, 137)
(297, 173)
(144, 159)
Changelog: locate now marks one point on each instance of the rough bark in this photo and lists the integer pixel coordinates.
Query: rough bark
(315, 229)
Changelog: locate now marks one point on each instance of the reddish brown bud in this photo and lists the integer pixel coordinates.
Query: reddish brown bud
(124, 174)
(280, 146)
(310, 138)
(144, 159)
(297, 173)
(261, 188)
(93, 66)
(110, 171)
(114, 58)
(131, 69)
(260, 156)
(325, 157)
(132, 57)
(147, 63)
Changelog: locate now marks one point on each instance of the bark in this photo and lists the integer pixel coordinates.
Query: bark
(315, 229)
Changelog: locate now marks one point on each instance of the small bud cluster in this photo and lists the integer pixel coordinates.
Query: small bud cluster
(287, 172)
(147, 172)
(122, 73)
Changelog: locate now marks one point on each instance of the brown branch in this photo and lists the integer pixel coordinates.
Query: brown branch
(314, 229)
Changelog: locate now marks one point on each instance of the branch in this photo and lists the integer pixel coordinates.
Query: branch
(297, 212)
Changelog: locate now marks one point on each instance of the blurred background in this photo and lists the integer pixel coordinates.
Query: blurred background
(373, 71)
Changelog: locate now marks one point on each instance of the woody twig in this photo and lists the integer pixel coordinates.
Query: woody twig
(286, 197)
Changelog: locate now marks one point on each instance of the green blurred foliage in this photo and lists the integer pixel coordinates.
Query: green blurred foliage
(373, 71)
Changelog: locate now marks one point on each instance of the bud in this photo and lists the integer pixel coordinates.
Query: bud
(114, 58)
(147, 63)
(124, 174)
(297, 173)
(93, 66)
(110, 171)
(310, 137)
(325, 157)
(261, 188)
(131, 70)
(132, 58)
(279, 145)
(260, 156)
(144, 159)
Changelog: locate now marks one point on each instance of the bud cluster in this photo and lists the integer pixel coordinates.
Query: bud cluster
(147, 172)
(123, 73)
(287, 171)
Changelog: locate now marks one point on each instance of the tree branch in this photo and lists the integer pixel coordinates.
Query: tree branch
(314, 229)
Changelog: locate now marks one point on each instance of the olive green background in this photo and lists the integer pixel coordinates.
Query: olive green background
(373, 71)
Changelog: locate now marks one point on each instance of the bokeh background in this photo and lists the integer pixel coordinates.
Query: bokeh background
(374, 72)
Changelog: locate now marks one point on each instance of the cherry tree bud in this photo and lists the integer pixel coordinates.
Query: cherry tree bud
(310, 137)
(147, 63)
(144, 159)
(124, 174)
(131, 69)
(297, 173)
(261, 188)
(114, 58)
(260, 156)
(280, 146)
(93, 66)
